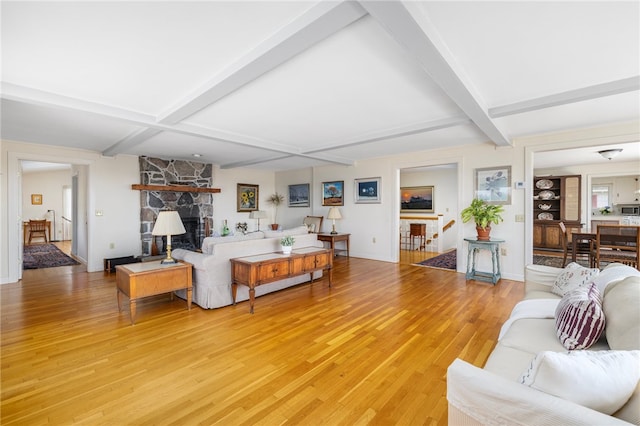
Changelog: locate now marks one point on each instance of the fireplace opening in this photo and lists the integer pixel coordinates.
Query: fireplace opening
(190, 240)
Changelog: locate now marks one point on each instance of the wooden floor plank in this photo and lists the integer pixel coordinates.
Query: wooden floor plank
(373, 349)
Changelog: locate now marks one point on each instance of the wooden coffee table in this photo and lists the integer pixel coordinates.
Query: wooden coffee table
(138, 280)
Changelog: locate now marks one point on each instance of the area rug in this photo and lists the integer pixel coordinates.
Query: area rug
(442, 261)
(556, 261)
(45, 256)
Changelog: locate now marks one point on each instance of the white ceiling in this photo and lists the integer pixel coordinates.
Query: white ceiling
(292, 84)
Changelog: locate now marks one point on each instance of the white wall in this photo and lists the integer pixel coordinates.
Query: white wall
(225, 203)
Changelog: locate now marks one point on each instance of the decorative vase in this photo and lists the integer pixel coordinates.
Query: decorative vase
(286, 249)
(274, 226)
(483, 233)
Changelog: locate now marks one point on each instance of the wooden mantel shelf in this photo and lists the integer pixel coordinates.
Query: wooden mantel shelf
(173, 188)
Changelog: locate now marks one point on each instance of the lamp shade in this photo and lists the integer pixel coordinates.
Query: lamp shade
(258, 214)
(168, 223)
(334, 213)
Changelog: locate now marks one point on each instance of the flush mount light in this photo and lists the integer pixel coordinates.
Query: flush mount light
(197, 155)
(610, 153)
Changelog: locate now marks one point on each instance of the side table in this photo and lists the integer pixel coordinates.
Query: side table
(332, 239)
(493, 245)
(138, 280)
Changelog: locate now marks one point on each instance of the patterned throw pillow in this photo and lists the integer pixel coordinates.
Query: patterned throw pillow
(572, 277)
(579, 318)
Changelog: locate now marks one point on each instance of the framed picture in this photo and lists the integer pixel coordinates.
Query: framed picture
(493, 184)
(36, 198)
(333, 193)
(247, 197)
(299, 195)
(367, 190)
(417, 199)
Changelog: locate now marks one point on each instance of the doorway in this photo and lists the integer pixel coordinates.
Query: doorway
(440, 205)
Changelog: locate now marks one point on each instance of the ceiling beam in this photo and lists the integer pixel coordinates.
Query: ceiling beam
(571, 96)
(396, 132)
(318, 23)
(416, 34)
(149, 127)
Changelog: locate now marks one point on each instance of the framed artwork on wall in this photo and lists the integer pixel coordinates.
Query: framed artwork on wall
(36, 198)
(493, 184)
(417, 199)
(247, 197)
(299, 195)
(367, 190)
(333, 193)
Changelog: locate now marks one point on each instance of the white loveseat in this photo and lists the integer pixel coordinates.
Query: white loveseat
(212, 269)
(498, 394)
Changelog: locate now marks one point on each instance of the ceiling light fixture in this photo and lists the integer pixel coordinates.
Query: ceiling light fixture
(197, 155)
(610, 153)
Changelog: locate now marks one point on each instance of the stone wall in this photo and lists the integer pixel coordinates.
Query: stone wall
(155, 171)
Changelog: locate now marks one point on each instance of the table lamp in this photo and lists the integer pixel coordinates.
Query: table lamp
(258, 214)
(334, 213)
(168, 223)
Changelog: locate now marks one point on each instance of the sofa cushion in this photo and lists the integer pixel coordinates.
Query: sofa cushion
(298, 230)
(620, 304)
(572, 277)
(209, 242)
(580, 319)
(614, 272)
(630, 412)
(601, 380)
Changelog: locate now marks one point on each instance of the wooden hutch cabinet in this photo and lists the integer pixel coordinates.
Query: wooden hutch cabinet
(555, 199)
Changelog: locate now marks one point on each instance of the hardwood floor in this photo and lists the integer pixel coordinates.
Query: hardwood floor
(373, 349)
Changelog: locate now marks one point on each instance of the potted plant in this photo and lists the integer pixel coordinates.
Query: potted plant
(275, 200)
(484, 214)
(287, 244)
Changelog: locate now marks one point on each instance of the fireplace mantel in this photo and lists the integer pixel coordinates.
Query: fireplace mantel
(174, 188)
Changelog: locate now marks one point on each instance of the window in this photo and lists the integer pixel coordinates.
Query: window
(600, 196)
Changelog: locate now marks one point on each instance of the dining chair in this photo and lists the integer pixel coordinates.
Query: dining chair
(583, 247)
(38, 228)
(617, 243)
(313, 223)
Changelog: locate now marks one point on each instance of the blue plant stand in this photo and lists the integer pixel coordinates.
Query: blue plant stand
(493, 245)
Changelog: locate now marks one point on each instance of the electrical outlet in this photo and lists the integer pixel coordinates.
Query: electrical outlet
(112, 245)
(503, 251)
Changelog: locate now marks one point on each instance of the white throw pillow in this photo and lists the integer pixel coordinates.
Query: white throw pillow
(572, 277)
(601, 380)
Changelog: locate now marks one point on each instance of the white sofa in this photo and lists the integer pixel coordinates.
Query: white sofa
(499, 393)
(212, 269)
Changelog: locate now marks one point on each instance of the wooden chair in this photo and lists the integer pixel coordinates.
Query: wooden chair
(583, 247)
(314, 223)
(38, 228)
(617, 243)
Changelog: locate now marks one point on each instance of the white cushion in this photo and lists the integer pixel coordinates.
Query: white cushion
(621, 304)
(572, 277)
(614, 272)
(209, 242)
(601, 380)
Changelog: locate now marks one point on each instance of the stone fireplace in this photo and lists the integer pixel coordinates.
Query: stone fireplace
(195, 208)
